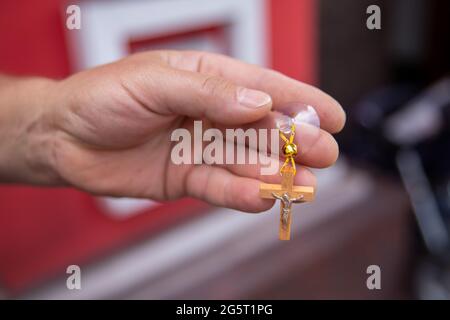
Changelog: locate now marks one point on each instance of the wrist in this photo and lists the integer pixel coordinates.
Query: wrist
(26, 131)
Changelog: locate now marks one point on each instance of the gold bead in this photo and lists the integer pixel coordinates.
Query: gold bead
(289, 149)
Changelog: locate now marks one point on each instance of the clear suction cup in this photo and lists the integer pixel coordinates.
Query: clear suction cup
(301, 113)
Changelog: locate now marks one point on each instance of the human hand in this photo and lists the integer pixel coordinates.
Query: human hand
(107, 130)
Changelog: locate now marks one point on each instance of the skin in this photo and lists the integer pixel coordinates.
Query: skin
(107, 130)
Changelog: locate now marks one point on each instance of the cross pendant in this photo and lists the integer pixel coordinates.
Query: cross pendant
(288, 194)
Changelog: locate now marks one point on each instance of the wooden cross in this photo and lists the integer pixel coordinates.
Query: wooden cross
(288, 194)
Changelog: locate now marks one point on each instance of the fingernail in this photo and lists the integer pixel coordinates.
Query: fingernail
(253, 98)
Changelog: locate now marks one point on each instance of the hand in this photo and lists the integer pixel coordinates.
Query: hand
(107, 130)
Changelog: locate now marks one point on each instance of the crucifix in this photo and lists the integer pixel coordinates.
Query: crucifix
(287, 192)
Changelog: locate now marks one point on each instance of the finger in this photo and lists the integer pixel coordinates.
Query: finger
(316, 148)
(222, 188)
(178, 92)
(281, 88)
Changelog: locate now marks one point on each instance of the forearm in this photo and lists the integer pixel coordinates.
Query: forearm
(25, 135)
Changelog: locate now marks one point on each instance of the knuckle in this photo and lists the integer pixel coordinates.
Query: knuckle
(217, 86)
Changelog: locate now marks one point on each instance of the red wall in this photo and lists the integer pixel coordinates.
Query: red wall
(293, 36)
(32, 38)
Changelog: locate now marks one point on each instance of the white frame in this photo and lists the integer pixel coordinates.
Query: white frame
(104, 33)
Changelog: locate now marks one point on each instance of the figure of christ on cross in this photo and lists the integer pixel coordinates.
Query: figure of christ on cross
(288, 193)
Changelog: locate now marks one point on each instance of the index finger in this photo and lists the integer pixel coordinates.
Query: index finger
(281, 88)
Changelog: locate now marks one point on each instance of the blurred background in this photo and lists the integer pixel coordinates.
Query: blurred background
(386, 202)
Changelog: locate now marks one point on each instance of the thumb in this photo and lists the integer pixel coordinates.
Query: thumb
(198, 95)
